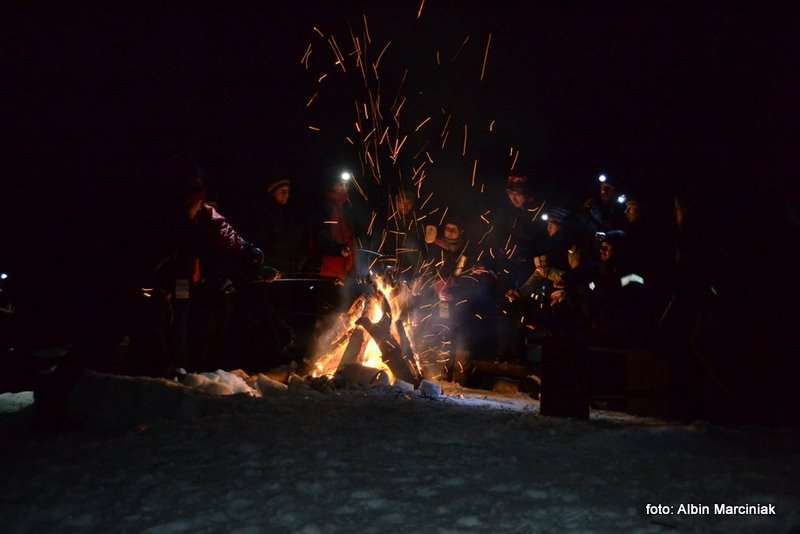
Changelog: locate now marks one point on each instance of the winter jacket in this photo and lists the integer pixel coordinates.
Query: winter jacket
(206, 248)
(337, 233)
(282, 236)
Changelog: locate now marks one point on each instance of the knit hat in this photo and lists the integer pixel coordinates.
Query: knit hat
(518, 183)
(277, 184)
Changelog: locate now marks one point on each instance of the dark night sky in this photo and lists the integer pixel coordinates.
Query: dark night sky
(664, 99)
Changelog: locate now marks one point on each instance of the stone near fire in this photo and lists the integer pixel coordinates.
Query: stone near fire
(430, 389)
(300, 386)
(269, 386)
(323, 384)
(404, 386)
(297, 383)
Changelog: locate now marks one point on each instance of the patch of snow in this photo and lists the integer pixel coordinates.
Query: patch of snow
(218, 382)
(469, 521)
(405, 387)
(15, 402)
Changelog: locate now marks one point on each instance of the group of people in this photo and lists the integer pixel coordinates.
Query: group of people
(487, 283)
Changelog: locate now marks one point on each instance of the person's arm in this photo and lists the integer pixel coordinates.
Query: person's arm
(530, 284)
(223, 236)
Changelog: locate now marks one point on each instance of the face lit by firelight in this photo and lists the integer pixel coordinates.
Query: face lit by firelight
(281, 195)
(632, 212)
(606, 192)
(452, 232)
(517, 198)
(606, 251)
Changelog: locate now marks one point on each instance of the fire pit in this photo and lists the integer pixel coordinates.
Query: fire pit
(374, 338)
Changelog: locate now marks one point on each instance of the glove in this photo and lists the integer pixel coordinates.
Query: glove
(254, 255)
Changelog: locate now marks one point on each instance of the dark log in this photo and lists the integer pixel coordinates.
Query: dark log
(408, 354)
(506, 369)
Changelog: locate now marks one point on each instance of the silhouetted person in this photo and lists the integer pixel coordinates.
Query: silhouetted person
(410, 246)
(605, 210)
(517, 237)
(280, 230)
(556, 245)
(206, 253)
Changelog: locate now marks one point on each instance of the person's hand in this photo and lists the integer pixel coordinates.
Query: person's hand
(588, 204)
(271, 274)
(345, 251)
(255, 255)
(512, 295)
(557, 296)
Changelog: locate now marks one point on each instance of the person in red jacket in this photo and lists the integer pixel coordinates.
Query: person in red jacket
(337, 233)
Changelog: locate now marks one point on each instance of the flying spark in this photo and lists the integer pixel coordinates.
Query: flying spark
(420, 125)
(486, 56)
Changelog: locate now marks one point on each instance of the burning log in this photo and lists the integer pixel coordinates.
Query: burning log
(391, 352)
(355, 374)
(372, 333)
(355, 347)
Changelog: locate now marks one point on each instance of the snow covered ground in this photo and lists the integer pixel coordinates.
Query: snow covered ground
(385, 462)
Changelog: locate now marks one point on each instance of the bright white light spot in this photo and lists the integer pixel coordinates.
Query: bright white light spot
(621, 199)
(602, 178)
(545, 216)
(3, 276)
(631, 278)
(346, 176)
(592, 286)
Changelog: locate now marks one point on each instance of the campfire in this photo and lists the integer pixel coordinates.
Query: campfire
(375, 335)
